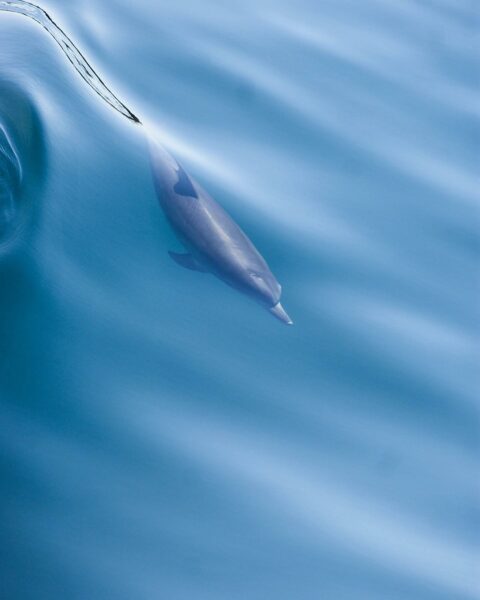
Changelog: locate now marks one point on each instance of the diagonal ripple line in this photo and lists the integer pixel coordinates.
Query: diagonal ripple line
(73, 54)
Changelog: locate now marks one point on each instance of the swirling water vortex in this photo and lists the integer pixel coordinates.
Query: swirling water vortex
(10, 187)
(22, 161)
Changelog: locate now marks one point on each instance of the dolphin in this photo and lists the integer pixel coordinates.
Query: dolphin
(213, 242)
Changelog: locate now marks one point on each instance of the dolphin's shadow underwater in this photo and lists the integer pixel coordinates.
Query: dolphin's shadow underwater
(213, 242)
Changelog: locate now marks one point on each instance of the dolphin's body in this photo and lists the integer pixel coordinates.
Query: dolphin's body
(213, 241)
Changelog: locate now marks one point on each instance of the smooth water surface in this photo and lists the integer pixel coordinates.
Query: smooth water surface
(163, 437)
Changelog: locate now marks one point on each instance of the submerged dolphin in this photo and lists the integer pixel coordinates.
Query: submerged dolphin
(213, 242)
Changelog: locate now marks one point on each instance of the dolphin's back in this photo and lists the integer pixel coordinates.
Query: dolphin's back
(202, 225)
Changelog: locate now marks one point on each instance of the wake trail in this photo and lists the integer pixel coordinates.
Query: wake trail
(82, 66)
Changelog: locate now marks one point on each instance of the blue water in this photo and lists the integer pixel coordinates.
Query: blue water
(163, 437)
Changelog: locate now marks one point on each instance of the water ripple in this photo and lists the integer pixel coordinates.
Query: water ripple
(22, 160)
(10, 181)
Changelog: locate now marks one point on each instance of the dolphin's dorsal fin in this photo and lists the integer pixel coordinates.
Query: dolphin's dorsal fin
(186, 261)
(184, 185)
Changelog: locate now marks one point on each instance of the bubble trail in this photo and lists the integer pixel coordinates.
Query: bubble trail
(73, 54)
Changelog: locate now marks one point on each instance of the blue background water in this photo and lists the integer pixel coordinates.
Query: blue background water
(162, 436)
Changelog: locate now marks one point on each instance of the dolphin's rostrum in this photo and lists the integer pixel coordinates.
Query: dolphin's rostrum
(213, 242)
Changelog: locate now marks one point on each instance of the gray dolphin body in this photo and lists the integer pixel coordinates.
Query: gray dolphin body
(213, 242)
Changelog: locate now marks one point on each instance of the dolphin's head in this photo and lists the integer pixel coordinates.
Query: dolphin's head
(266, 290)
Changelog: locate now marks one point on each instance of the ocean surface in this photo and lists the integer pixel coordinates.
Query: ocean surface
(162, 437)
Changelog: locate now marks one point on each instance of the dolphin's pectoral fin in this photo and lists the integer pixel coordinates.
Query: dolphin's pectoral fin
(186, 261)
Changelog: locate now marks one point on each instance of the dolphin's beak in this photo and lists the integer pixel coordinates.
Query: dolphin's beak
(277, 311)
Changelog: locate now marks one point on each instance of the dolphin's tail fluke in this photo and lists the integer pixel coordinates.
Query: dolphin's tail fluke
(279, 312)
(70, 50)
